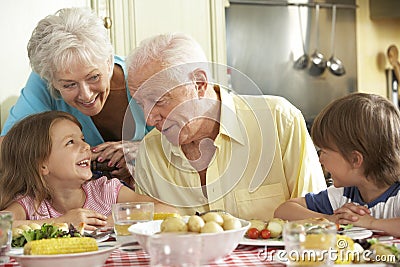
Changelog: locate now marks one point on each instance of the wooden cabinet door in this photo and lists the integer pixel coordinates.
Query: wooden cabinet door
(133, 21)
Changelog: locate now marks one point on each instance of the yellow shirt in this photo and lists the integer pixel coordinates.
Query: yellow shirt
(264, 156)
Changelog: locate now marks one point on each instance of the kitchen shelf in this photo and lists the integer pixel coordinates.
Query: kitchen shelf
(280, 3)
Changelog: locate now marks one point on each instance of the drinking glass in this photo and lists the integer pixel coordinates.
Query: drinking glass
(310, 242)
(5, 235)
(127, 214)
(174, 250)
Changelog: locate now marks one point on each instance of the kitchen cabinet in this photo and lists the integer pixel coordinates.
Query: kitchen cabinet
(133, 21)
(384, 9)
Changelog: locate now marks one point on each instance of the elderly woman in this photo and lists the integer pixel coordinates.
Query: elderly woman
(213, 149)
(74, 70)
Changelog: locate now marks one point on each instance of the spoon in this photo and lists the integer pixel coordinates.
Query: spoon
(393, 55)
(301, 62)
(334, 64)
(317, 59)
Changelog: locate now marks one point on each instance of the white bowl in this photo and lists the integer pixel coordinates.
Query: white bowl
(214, 245)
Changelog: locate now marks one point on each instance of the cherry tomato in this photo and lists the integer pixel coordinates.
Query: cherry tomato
(253, 233)
(265, 234)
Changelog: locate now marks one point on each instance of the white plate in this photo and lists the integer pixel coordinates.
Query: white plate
(101, 239)
(357, 233)
(262, 242)
(84, 259)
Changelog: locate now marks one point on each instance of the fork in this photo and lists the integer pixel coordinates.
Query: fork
(205, 212)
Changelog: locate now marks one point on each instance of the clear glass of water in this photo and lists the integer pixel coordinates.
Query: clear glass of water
(6, 219)
(310, 242)
(127, 214)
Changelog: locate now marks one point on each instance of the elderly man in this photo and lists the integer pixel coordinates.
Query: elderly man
(211, 148)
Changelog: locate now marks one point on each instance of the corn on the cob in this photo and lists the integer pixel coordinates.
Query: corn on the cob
(63, 245)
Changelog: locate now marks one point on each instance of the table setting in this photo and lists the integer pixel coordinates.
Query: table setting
(173, 240)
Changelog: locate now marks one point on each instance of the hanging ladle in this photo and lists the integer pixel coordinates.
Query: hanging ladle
(301, 62)
(317, 59)
(334, 64)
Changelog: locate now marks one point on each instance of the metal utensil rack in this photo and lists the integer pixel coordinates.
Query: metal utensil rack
(281, 3)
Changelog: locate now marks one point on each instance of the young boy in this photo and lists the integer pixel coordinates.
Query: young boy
(359, 138)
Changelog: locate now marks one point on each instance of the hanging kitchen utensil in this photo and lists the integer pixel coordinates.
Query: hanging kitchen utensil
(393, 56)
(317, 59)
(334, 64)
(302, 61)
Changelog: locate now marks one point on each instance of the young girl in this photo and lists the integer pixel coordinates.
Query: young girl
(359, 138)
(46, 175)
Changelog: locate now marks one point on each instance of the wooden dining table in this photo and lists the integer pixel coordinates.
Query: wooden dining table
(243, 255)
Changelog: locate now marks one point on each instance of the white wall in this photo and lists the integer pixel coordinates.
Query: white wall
(18, 19)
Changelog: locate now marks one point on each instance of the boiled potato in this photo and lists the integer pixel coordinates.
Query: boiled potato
(226, 216)
(16, 232)
(232, 223)
(258, 224)
(24, 227)
(279, 220)
(173, 224)
(213, 217)
(384, 251)
(35, 226)
(212, 227)
(62, 226)
(275, 227)
(195, 223)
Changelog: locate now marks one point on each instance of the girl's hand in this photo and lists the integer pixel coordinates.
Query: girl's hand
(91, 218)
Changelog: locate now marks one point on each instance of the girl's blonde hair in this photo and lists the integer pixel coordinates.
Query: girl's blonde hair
(367, 123)
(24, 149)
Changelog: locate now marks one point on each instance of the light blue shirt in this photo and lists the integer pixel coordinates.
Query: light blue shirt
(35, 98)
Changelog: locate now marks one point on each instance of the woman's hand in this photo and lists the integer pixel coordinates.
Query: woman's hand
(121, 155)
(91, 218)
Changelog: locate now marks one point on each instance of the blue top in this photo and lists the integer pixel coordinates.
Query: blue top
(387, 205)
(35, 98)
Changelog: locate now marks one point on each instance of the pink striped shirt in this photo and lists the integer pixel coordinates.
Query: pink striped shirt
(100, 194)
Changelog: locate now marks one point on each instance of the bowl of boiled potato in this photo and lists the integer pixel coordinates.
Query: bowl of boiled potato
(220, 233)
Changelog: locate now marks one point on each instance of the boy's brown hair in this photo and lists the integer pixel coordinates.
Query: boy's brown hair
(367, 123)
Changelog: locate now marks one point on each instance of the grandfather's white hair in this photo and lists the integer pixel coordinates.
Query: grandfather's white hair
(172, 50)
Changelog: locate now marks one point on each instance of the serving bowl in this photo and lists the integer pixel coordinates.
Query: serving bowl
(214, 246)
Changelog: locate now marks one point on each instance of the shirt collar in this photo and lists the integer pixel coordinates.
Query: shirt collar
(229, 123)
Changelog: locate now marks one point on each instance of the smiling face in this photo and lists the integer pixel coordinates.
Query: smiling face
(69, 159)
(343, 173)
(172, 107)
(85, 88)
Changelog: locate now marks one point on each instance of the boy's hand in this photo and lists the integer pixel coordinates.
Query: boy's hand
(350, 213)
